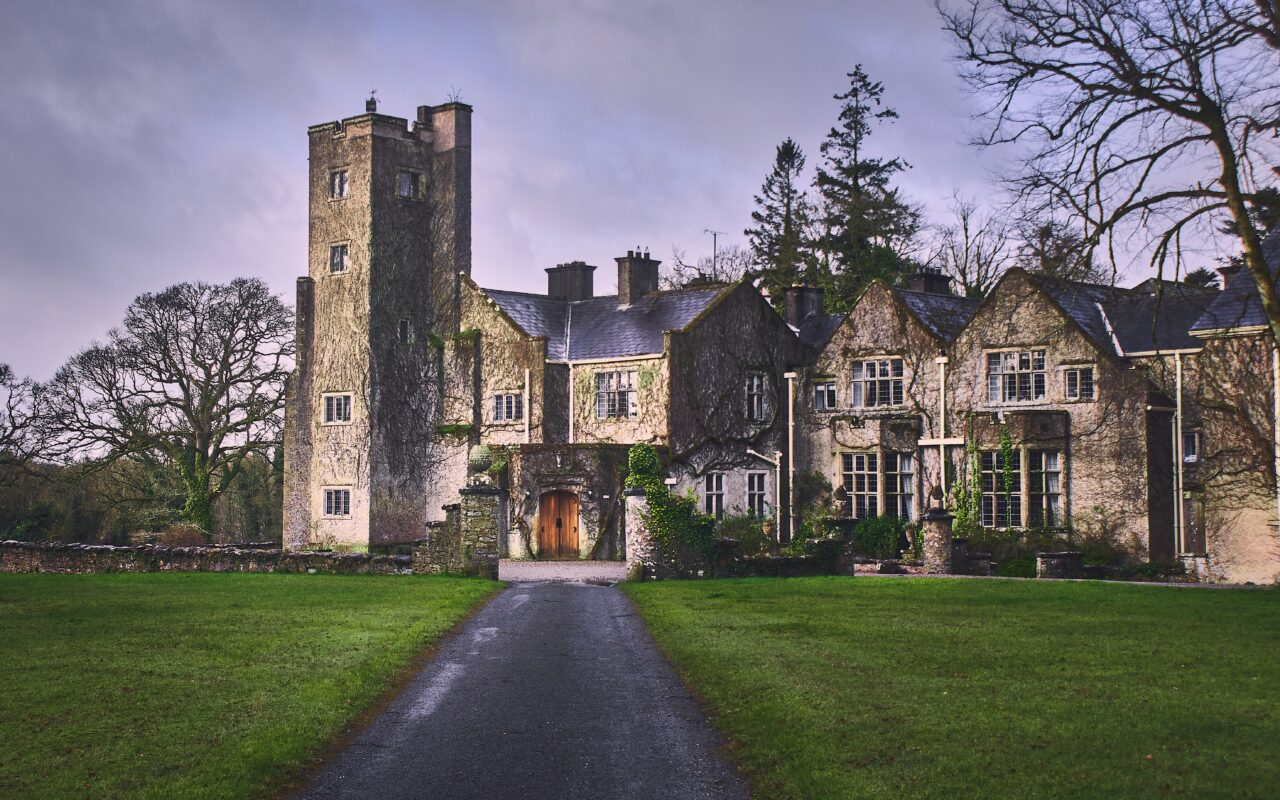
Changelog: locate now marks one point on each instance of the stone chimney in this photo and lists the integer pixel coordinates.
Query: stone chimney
(1229, 273)
(929, 280)
(572, 281)
(801, 302)
(637, 276)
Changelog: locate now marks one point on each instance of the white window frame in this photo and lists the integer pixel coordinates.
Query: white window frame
(758, 494)
(713, 494)
(878, 383)
(824, 395)
(330, 406)
(404, 332)
(413, 191)
(1011, 366)
(1072, 385)
(616, 395)
(345, 249)
(339, 184)
(335, 502)
(756, 387)
(508, 406)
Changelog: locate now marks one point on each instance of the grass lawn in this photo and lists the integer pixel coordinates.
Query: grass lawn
(198, 685)
(874, 687)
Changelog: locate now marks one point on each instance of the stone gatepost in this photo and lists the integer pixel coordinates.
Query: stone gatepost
(640, 556)
(936, 530)
(481, 527)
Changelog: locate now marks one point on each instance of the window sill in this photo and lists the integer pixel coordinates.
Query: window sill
(336, 424)
(327, 516)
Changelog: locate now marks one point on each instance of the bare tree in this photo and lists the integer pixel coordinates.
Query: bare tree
(731, 263)
(18, 431)
(975, 248)
(1152, 117)
(193, 381)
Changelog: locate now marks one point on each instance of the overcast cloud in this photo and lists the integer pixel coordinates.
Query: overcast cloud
(152, 142)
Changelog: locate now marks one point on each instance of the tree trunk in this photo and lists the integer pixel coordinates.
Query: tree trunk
(198, 508)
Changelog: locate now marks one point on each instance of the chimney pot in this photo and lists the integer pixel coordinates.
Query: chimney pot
(637, 276)
(572, 281)
(801, 302)
(929, 280)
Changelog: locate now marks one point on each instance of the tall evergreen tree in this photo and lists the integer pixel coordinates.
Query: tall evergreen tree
(867, 220)
(779, 237)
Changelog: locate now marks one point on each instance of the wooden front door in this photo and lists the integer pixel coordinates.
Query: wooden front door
(558, 525)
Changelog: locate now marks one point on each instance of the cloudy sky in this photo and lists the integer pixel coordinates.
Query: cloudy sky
(152, 142)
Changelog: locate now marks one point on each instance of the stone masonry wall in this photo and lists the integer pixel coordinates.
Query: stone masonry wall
(57, 557)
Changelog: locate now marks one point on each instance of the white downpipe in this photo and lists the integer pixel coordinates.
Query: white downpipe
(942, 413)
(528, 412)
(791, 454)
(1275, 393)
(1179, 524)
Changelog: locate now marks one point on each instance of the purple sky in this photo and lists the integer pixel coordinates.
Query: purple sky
(148, 143)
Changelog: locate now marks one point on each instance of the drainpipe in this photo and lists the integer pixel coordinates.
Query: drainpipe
(1178, 522)
(528, 412)
(570, 402)
(941, 361)
(1275, 394)
(791, 455)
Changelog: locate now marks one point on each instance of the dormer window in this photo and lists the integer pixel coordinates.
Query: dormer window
(877, 383)
(1016, 376)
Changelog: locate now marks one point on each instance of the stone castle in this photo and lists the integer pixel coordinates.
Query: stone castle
(1143, 414)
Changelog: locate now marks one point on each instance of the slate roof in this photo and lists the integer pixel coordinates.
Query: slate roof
(943, 314)
(816, 329)
(1145, 322)
(1238, 305)
(599, 327)
(1083, 303)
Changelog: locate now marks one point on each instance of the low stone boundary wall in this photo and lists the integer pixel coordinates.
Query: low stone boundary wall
(83, 558)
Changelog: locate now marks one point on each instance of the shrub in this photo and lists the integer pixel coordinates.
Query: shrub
(749, 533)
(879, 537)
(682, 534)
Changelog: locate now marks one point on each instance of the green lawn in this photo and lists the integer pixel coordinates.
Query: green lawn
(198, 685)
(873, 687)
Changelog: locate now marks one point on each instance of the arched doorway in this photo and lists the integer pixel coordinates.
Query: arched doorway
(558, 525)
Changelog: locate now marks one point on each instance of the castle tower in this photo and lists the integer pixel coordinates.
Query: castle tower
(390, 231)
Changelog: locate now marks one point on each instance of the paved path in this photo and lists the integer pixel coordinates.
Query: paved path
(518, 571)
(553, 691)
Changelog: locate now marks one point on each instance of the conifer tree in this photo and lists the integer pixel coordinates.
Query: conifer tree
(779, 237)
(867, 220)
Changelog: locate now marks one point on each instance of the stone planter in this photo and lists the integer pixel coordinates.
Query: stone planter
(1068, 564)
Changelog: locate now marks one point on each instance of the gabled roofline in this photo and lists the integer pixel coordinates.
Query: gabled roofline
(494, 304)
(1012, 272)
